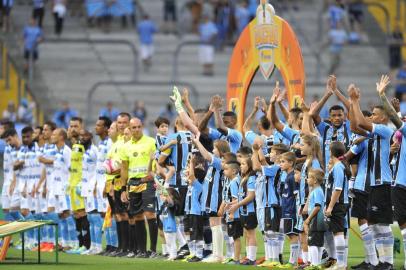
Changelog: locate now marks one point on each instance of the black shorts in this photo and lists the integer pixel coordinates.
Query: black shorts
(234, 229)
(360, 205)
(111, 203)
(141, 202)
(182, 194)
(380, 205)
(249, 222)
(38, 12)
(315, 239)
(6, 10)
(273, 217)
(399, 204)
(197, 227)
(149, 201)
(356, 15)
(136, 204)
(187, 224)
(287, 226)
(27, 54)
(336, 223)
(213, 214)
(119, 206)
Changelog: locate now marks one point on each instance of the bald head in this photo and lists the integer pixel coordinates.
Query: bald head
(136, 128)
(179, 124)
(59, 136)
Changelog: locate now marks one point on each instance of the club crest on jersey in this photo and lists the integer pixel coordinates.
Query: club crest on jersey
(266, 38)
(135, 154)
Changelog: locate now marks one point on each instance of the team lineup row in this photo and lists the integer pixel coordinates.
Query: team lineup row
(201, 187)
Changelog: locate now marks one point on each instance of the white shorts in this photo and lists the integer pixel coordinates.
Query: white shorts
(146, 51)
(5, 198)
(206, 54)
(51, 201)
(41, 205)
(62, 203)
(102, 204)
(15, 200)
(27, 202)
(90, 204)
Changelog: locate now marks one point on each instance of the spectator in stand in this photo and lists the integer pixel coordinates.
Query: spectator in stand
(109, 111)
(5, 13)
(32, 37)
(25, 112)
(146, 30)
(168, 112)
(223, 14)
(242, 16)
(395, 49)
(170, 17)
(356, 14)
(75, 8)
(139, 110)
(208, 33)
(63, 115)
(337, 40)
(252, 8)
(38, 11)
(336, 13)
(10, 112)
(128, 8)
(400, 82)
(59, 10)
(196, 9)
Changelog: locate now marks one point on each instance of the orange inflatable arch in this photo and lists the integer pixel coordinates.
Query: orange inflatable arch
(266, 43)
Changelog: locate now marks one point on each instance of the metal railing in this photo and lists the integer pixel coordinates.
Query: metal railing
(127, 43)
(96, 86)
(175, 59)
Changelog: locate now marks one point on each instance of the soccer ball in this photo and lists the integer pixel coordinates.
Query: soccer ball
(112, 166)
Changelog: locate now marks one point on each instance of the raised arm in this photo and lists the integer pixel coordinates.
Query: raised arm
(203, 151)
(188, 105)
(342, 98)
(307, 120)
(359, 119)
(353, 124)
(206, 118)
(256, 164)
(186, 119)
(331, 85)
(390, 111)
(248, 123)
(272, 116)
(284, 110)
(218, 104)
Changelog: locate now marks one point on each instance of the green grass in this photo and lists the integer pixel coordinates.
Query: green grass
(71, 262)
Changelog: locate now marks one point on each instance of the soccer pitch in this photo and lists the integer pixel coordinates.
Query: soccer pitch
(71, 262)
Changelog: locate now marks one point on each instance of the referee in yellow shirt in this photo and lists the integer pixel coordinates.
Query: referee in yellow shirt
(136, 157)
